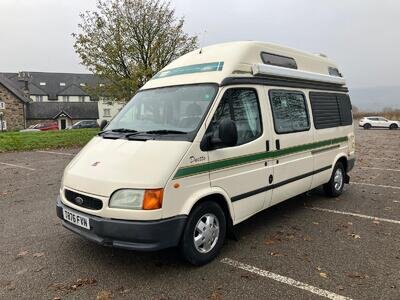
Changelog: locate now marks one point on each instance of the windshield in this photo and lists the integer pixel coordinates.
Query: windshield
(166, 110)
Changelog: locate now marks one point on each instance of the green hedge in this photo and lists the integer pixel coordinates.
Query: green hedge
(25, 141)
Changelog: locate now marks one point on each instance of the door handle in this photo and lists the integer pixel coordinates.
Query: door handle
(277, 145)
(270, 179)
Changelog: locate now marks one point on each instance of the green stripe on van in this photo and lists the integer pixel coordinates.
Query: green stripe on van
(198, 68)
(245, 159)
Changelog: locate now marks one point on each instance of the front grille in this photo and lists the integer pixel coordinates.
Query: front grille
(82, 200)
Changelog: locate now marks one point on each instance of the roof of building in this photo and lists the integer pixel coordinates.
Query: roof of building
(13, 89)
(239, 59)
(51, 110)
(56, 84)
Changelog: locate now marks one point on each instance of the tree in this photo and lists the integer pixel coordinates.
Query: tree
(126, 42)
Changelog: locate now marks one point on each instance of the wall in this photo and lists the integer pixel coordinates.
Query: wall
(13, 113)
(114, 107)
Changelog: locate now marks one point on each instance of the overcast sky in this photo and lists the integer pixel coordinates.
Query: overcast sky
(362, 36)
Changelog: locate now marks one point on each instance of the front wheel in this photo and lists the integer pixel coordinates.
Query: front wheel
(367, 126)
(393, 126)
(335, 185)
(204, 233)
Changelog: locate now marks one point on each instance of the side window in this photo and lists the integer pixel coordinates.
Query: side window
(289, 110)
(346, 117)
(330, 110)
(278, 60)
(240, 105)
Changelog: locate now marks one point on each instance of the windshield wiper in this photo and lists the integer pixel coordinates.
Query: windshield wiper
(121, 130)
(124, 130)
(165, 131)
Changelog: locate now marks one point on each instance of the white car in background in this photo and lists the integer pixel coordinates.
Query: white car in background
(378, 122)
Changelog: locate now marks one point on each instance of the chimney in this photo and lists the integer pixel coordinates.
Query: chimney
(25, 77)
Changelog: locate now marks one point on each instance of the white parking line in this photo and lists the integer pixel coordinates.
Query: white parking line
(17, 166)
(59, 153)
(377, 185)
(283, 279)
(383, 158)
(381, 169)
(355, 215)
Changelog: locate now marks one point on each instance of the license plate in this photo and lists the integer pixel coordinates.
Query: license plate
(76, 219)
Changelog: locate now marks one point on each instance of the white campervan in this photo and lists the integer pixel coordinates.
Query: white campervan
(218, 135)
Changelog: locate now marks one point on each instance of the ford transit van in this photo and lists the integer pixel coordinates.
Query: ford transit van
(218, 135)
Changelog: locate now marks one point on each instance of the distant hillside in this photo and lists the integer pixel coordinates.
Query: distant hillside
(376, 98)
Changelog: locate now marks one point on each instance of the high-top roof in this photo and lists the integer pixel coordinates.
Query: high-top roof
(217, 62)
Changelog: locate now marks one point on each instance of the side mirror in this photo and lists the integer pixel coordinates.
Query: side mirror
(103, 124)
(227, 136)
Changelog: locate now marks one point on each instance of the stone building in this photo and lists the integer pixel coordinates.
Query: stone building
(51, 97)
(13, 104)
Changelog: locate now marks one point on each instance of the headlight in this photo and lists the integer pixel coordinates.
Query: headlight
(127, 199)
(137, 199)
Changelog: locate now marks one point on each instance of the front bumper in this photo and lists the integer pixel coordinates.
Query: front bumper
(131, 235)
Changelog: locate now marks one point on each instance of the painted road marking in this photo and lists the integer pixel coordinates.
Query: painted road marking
(59, 153)
(17, 166)
(283, 279)
(381, 169)
(355, 215)
(377, 185)
(383, 158)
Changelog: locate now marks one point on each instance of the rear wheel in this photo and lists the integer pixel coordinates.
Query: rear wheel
(393, 126)
(367, 126)
(204, 233)
(335, 185)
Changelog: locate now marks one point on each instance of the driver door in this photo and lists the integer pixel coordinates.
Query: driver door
(241, 170)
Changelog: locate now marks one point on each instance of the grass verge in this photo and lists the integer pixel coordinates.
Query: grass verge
(26, 141)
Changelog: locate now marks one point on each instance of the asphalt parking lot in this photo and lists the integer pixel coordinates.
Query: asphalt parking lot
(305, 248)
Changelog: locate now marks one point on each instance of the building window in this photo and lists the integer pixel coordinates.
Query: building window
(42, 83)
(240, 105)
(65, 98)
(39, 98)
(2, 105)
(62, 83)
(289, 110)
(107, 112)
(81, 98)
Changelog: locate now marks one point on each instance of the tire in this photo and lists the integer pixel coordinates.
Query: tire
(206, 212)
(335, 185)
(367, 126)
(393, 126)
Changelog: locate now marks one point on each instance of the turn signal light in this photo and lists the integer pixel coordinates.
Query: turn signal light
(153, 199)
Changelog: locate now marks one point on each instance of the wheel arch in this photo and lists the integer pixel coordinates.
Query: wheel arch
(212, 194)
(344, 159)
